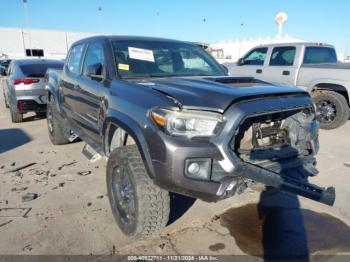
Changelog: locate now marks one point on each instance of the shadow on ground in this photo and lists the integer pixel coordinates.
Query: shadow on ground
(12, 138)
(179, 204)
(277, 229)
(37, 116)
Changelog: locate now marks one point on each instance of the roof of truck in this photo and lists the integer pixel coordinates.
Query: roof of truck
(297, 44)
(126, 37)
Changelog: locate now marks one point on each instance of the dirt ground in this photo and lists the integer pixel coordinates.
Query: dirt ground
(70, 213)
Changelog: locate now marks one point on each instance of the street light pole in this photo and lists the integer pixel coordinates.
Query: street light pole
(25, 2)
(157, 24)
(204, 31)
(240, 42)
(99, 10)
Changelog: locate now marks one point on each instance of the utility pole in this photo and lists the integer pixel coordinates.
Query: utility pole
(26, 16)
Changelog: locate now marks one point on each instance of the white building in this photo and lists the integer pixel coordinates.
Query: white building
(17, 42)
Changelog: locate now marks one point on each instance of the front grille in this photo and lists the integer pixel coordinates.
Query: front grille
(273, 140)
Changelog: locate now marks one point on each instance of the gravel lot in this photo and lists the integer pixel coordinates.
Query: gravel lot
(70, 212)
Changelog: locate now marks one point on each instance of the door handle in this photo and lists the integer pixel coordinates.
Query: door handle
(258, 71)
(286, 73)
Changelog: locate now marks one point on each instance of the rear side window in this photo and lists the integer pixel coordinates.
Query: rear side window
(75, 58)
(38, 70)
(283, 56)
(255, 57)
(319, 55)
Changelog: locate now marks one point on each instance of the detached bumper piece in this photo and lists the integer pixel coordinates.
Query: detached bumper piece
(278, 150)
(30, 105)
(285, 182)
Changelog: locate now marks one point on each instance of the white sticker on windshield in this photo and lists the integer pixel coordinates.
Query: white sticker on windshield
(141, 54)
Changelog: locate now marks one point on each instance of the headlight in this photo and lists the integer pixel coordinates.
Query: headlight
(187, 123)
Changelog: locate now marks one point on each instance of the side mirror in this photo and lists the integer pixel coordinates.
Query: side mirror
(3, 71)
(240, 62)
(94, 71)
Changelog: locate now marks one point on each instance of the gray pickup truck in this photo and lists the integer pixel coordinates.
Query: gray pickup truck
(310, 66)
(169, 119)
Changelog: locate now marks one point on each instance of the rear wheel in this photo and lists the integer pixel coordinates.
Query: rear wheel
(15, 116)
(55, 124)
(139, 207)
(332, 109)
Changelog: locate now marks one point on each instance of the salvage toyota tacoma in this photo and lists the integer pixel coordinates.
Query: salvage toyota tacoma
(169, 119)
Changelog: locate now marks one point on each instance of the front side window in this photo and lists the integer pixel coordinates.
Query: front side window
(319, 55)
(75, 58)
(140, 59)
(255, 57)
(283, 56)
(94, 57)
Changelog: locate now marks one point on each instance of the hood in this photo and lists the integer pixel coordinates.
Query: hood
(215, 93)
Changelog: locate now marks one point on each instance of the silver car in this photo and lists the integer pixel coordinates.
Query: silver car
(24, 88)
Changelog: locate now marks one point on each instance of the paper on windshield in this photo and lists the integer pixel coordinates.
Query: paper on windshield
(141, 54)
(124, 67)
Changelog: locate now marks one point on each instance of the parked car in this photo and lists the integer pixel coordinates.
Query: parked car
(24, 86)
(312, 67)
(2, 71)
(5, 63)
(169, 119)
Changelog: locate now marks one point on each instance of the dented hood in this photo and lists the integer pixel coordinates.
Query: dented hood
(215, 92)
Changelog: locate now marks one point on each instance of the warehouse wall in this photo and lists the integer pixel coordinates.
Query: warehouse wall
(14, 41)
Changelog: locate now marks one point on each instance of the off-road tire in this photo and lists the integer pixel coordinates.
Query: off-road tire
(15, 116)
(152, 204)
(55, 124)
(340, 103)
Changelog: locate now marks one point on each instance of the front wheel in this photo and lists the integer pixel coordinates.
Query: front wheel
(332, 109)
(139, 206)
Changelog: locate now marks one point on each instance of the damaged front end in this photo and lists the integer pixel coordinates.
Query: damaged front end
(275, 147)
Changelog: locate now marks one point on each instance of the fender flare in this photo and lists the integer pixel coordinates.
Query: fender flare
(123, 121)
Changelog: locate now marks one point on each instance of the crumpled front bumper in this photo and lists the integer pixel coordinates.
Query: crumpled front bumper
(169, 155)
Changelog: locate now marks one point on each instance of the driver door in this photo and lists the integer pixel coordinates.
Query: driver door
(251, 65)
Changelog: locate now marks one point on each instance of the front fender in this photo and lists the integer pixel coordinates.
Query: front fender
(136, 131)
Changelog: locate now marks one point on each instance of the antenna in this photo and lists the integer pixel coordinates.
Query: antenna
(280, 19)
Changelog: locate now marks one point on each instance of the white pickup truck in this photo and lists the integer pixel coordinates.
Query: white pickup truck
(310, 66)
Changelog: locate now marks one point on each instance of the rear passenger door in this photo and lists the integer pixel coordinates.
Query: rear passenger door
(251, 65)
(92, 90)
(282, 66)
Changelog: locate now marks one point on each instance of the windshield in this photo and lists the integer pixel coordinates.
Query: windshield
(141, 59)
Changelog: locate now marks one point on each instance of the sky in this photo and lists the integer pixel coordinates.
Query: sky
(193, 20)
